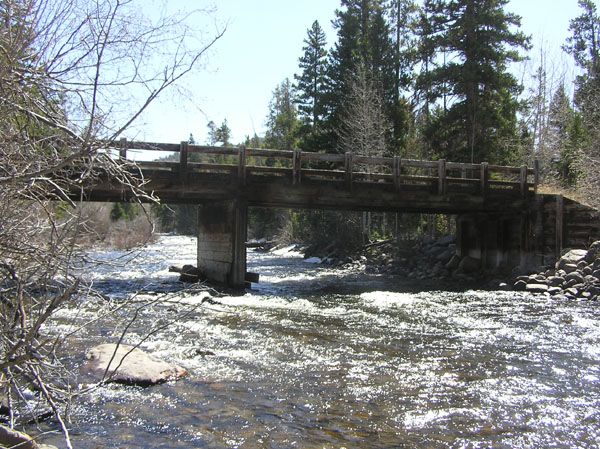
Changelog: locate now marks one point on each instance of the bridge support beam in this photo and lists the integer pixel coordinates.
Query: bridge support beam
(222, 229)
(496, 241)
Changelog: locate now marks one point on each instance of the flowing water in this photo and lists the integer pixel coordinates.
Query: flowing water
(318, 358)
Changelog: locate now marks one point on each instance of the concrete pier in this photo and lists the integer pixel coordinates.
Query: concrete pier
(496, 241)
(222, 241)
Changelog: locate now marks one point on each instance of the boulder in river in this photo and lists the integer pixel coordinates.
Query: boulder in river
(593, 252)
(571, 258)
(129, 365)
(536, 288)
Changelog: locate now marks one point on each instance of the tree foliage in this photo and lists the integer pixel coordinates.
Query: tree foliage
(310, 83)
(282, 122)
(476, 43)
(581, 159)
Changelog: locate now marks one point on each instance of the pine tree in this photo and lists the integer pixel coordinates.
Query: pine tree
(584, 46)
(480, 105)
(282, 122)
(428, 29)
(310, 84)
(253, 142)
(364, 37)
(403, 19)
(581, 158)
(560, 115)
(212, 133)
(572, 150)
(223, 134)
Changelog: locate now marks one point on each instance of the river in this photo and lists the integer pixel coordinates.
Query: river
(321, 358)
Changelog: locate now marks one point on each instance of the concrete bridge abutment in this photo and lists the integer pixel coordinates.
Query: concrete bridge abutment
(222, 230)
(497, 241)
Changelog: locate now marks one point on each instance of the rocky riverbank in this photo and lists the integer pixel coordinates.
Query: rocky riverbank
(576, 275)
(417, 260)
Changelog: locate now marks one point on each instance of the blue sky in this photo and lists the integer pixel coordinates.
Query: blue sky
(261, 48)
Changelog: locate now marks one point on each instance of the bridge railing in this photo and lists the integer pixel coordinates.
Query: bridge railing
(301, 166)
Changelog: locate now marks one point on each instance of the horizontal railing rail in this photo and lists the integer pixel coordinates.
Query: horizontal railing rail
(349, 167)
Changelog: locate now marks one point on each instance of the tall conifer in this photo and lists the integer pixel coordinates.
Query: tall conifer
(311, 81)
(310, 88)
(363, 37)
(476, 40)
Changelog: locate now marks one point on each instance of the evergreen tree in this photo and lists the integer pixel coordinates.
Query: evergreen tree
(253, 142)
(584, 45)
(403, 20)
(282, 122)
(310, 84)
(124, 211)
(223, 134)
(572, 150)
(212, 133)
(581, 156)
(560, 116)
(364, 37)
(428, 30)
(404, 23)
(477, 44)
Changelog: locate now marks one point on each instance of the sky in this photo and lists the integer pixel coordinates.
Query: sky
(261, 47)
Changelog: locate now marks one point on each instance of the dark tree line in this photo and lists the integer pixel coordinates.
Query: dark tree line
(432, 80)
(438, 71)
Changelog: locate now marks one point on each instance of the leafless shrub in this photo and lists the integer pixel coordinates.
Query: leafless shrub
(129, 234)
(364, 125)
(74, 75)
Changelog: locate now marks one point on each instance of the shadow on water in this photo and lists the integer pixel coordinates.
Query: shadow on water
(281, 274)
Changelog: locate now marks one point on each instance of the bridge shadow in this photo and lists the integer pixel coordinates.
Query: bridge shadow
(116, 288)
(294, 277)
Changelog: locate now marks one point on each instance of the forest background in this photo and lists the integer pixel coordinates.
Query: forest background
(432, 80)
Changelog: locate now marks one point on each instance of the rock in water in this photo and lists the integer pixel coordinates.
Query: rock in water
(536, 288)
(130, 366)
(12, 438)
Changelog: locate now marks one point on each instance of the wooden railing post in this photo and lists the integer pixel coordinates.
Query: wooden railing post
(536, 175)
(523, 180)
(484, 177)
(560, 211)
(397, 172)
(242, 165)
(442, 184)
(348, 165)
(123, 148)
(296, 167)
(183, 160)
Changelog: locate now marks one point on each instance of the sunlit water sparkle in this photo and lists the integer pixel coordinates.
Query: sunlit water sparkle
(321, 358)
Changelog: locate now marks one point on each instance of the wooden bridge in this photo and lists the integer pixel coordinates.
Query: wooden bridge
(225, 181)
(298, 179)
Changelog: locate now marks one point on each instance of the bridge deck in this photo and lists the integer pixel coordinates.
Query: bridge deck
(297, 179)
